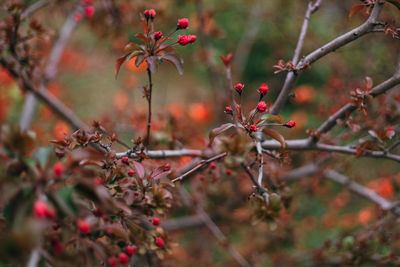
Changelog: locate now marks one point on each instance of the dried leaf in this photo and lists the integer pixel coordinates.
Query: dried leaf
(217, 131)
(277, 136)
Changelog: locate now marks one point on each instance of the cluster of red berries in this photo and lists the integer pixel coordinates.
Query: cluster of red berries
(123, 257)
(42, 210)
(261, 106)
(88, 9)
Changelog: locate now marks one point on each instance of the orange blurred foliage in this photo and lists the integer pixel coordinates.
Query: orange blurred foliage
(383, 187)
(121, 100)
(199, 112)
(365, 216)
(304, 94)
(132, 67)
(59, 128)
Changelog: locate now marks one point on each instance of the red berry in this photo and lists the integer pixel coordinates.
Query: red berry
(253, 128)
(58, 169)
(89, 11)
(290, 124)
(183, 23)
(263, 89)
(123, 258)
(228, 172)
(184, 40)
(228, 110)
(40, 209)
(87, 2)
(239, 88)
(192, 38)
(156, 221)
(83, 226)
(51, 213)
(150, 13)
(130, 250)
(167, 167)
(125, 160)
(78, 17)
(58, 247)
(98, 181)
(157, 36)
(112, 261)
(98, 212)
(131, 173)
(213, 165)
(159, 242)
(261, 106)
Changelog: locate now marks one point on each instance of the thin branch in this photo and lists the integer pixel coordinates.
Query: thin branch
(163, 154)
(304, 171)
(362, 191)
(348, 108)
(199, 166)
(50, 70)
(33, 258)
(206, 219)
(33, 8)
(260, 189)
(333, 45)
(148, 97)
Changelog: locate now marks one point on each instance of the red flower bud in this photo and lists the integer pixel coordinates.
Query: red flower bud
(58, 169)
(156, 221)
(125, 160)
(184, 40)
(98, 181)
(130, 250)
(159, 242)
(83, 226)
(112, 261)
(253, 128)
(290, 124)
(89, 11)
(183, 23)
(239, 88)
(40, 209)
(228, 172)
(228, 110)
(157, 36)
(131, 173)
(226, 59)
(261, 106)
(167, 167)
(150, 13)
(213, 165)
(263, 90)
(77, 17)
(123, 258)
(193, 38)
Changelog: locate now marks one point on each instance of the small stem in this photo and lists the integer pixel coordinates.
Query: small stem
(148, 97)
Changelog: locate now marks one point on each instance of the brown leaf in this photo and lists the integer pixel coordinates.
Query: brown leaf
(277, 136)
(217, 131)
(355, 9)
(118, 65)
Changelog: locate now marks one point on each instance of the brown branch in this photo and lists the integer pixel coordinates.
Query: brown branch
(363, 191)
(148, 97)
(34, 7)
(50, 70)
(260, 189)
(199, 166)
(333, 45)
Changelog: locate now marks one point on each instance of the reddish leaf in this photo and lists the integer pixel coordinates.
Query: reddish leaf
(118, 64)
(217, 131)
(174, 60)
(142, 36)
(355, 9)
(277, 136)
(139, 60)
(152, 63)
(139, 169)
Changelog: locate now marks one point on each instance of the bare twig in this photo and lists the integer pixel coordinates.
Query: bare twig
(333, 45)
(199, 166)
(362, 191)
(260, 189)
(148, 97)
(50, 70)
(33, 258)
(34, 7)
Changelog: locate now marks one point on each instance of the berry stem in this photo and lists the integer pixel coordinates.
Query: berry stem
(148, 97)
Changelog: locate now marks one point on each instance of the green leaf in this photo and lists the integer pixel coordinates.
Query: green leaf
(42, 155)
(272, 118)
